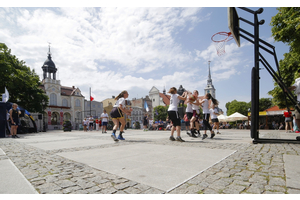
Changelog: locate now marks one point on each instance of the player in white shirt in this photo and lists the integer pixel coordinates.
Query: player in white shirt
(173, 113)
(117, 115)
(206, 114)
(214, 112)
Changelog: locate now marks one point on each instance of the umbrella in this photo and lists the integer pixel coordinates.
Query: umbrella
(222, 118)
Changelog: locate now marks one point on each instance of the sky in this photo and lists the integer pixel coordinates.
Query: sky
(114, 47)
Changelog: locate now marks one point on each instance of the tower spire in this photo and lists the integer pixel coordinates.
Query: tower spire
(209, 80)
(49, 53)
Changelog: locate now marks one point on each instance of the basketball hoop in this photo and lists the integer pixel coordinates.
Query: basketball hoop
(220, 40)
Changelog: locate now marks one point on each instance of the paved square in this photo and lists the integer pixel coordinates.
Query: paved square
(53, 145)
(160, 166)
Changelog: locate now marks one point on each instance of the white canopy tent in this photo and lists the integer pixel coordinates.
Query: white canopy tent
(237, 116)
(223, 118)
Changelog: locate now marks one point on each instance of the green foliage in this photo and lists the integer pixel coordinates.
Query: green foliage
(243, 107)
(237, 106)
(162, 112)
(286, 28)
(21, 83)
(265, 103)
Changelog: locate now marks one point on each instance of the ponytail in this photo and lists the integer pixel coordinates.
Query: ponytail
(121, 95)
(215, 101)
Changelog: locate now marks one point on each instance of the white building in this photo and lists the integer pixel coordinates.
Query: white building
(65, 103)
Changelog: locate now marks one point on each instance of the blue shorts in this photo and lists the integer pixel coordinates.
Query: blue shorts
(104, 123)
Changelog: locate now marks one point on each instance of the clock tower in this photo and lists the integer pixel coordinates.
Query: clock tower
(210, 87)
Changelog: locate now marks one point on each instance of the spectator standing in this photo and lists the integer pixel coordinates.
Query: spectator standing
(145, 122)
(288, 120)
(91, 123)
(85, 122)
(14, 113)
(104, 119)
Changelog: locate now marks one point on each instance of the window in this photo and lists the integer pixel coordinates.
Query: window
(65, 102)
(77, 103)
(53, 99)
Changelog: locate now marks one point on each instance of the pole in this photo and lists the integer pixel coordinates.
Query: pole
(90, 102)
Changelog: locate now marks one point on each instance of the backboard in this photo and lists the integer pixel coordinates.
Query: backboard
(234, 24)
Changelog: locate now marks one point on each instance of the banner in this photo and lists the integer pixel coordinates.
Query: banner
(49, 117)
(61, 117)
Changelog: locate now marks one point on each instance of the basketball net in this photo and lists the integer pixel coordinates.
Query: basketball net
(220, 40)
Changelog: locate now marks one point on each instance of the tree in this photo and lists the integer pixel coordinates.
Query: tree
(286, 28)
(160, 112)
(264, 103)
(21, 83)
(237, 106)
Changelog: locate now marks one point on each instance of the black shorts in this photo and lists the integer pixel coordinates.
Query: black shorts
(16, 122)
(116, 113)
(215, 120)
(174, 117)
(189, 115)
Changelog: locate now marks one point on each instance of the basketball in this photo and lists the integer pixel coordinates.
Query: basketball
(191, 97)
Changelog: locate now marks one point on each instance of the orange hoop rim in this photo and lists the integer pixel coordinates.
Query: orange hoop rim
(228, 38)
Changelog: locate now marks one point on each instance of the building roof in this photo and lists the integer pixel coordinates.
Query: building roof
(165, 98)
(276, 108)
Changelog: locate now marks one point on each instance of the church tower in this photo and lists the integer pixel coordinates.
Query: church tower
(49, 67)
(210, 87)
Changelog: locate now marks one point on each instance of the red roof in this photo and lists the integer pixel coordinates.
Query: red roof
(276, 108)
(166, 98)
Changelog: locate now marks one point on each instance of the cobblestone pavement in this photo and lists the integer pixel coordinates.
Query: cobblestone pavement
(252, 169)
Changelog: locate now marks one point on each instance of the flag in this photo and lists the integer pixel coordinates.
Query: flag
(146, 106)
(5, 96)
(91, 98)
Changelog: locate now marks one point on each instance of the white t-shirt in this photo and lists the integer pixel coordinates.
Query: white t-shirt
(297, 90)
(212, 113)
(86, 122)
(196, 107)
(103, 115)
(120, 101)
(91, 119)
(174, 102)
(205, 106)
(189, 108)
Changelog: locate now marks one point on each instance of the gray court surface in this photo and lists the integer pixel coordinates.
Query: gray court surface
(159, 166)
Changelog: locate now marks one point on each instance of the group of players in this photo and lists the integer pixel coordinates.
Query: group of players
(192, 111)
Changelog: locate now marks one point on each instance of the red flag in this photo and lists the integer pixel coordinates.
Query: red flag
(91, 98)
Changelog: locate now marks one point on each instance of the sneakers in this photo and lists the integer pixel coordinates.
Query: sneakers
(113, 135)
(13, 136)
(179, 139)
(297, 131)
(172, 138)
(212, 135)
(17, 136)
(204, 136)
(189, 134)
(120, 137)
(218, 133)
